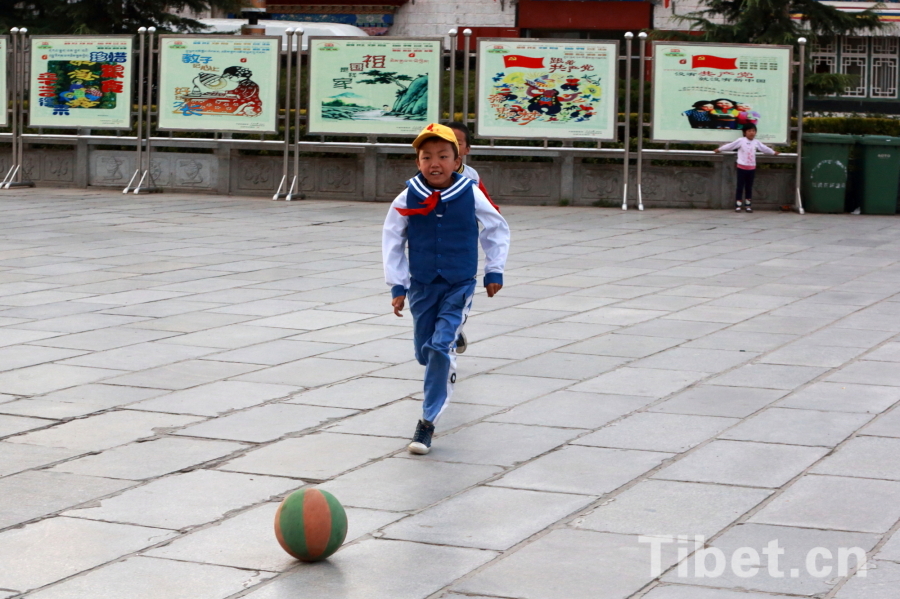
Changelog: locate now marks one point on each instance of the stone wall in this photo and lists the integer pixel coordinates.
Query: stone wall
(437, 17)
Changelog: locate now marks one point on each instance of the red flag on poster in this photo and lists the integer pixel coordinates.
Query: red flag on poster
(526, 62)
(705, 61)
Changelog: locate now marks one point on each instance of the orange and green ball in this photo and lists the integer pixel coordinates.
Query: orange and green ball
(310, 524)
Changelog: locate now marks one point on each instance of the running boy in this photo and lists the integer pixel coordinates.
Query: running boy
(438, 217)
(746, 163)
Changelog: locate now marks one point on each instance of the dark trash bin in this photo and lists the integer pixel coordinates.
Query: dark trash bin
(825, 162)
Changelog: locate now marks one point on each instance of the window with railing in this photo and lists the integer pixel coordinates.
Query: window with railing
(872, 60)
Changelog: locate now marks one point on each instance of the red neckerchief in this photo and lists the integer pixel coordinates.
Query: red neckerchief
(430, 203)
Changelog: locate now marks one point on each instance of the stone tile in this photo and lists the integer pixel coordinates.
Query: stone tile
(742, 341)
(843, 397)
(498, 443)
(803, 354)
(647, 382)
(106, 430)
(487, 518)
(503, 390)
(662, 302)
(381, 568)
(29, 495)
(22, 356)
(583, 470)
(836, 337)
(276, 352)
(140, 356)
(216, 398)
(399, 418)
(657, 507)
(570, 409)
(37, 380)
(798, 427)
(348, 333)
(310, 320)
(312, 372)
(651, 431)
(626, 346)
(148, 578)
(597, 565)
(257, 549)
(79, 323)
(673, 329)
(13, 336)
(400, 484)
(183, 500)
(681, 591)
(319, 456)
(616, 316)
(714, 400)
(865, 457)
(513, 348)
(229, 337)
(743, 463)
(889, 352)
(868, 373)
(835, 503)
(264, 423)
(572, 331)
(183, 375)
(563, 366)
(887, 425)
(18, 457)
(796, 543)
(769, 376)
(30, 562)
(391, 351)
(695, 359)
(77, 401)
(891, 549)
(151, 459)
(106, 338)
(12, 425)
(184, 321)
(361, 394)
(880, 582)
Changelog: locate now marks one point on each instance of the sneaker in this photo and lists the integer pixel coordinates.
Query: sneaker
(461, 343)
(738, 207)
(421, 441)
(748, 208)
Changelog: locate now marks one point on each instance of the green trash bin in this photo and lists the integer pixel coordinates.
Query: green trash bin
(880, 176)
(824, 171)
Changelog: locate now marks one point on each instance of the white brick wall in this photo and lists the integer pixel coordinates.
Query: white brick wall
(662, 16)
(437, 17)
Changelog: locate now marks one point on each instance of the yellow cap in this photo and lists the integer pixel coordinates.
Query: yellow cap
(436, 130)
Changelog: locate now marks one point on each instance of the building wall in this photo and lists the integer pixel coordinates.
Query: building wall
(664, 12)
(437, 17)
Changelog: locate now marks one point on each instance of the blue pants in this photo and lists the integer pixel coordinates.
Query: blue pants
(439, 310)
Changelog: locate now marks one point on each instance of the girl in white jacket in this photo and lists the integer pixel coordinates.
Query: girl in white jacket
(746, 164)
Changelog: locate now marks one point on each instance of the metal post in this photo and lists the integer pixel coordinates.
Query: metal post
(13, 53)
(147, 175)
(642, 40)
(467, 34)
(281, 191)
(798, 206)
(452, 110)
(627, 111)
(20, 78)
(296, 182)
(139, 145)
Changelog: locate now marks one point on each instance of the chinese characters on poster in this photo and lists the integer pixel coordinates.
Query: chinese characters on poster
(541, 89)
(709, 92)
(377, 86)
(81, 82)
(219, 83)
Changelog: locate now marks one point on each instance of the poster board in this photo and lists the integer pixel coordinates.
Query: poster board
(219, 83)
(706, 93)
(547, 89)
(5, 74)
(374, 86)
(81, 81)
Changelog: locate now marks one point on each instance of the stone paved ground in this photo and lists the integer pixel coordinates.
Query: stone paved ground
(171, 366)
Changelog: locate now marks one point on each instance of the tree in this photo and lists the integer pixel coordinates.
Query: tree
(771, 22)
(386, 77)
(57, 17)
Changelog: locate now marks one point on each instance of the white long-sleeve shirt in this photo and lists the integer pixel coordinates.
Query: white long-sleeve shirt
(494, 239)
(746, 150)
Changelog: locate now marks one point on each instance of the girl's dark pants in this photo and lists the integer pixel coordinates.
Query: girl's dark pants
(744, 184)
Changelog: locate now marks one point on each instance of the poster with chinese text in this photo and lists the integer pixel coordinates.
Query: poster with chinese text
(373, 86)
(546, 89)
(708, 93)
(4, 74)
(81, 81)
(219, 83)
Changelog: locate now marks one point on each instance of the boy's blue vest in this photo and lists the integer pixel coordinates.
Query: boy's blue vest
(443, 241)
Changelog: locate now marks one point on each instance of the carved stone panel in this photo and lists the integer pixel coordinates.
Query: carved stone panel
(58, 166)
(392, 175)
(256, 173)
(338, 176)
(198, 171)
(306, 175)
(598, 184)
(533, 181)
(110, 169)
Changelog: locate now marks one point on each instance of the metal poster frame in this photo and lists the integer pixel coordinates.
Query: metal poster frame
(61, 125)
(614, 58)
(310, 74)
(276, 95)
(5, 81)
(653, 73)
(15, 177)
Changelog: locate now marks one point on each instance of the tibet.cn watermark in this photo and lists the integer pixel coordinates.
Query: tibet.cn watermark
(746, 562)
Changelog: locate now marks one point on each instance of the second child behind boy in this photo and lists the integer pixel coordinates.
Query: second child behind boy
(436, 218)
(746, 164)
